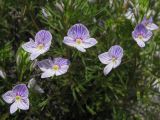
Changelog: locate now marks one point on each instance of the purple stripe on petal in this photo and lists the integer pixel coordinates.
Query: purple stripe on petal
(134, 35)
(78, 31)
(152, 26)
(45, 64)
(148, 36)
(62, 70)
(140, 30)
(21, 90)
(141, 43)
(69, 41)
(116, 51)
(43, 37)
(23, 104)
(61, 61)
(87, 43)
(13, 108)
(144, 21)
(9, 97)
(29, 46)
(148, 23)
(105, 58)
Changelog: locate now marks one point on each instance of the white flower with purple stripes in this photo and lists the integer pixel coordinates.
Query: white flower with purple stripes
(41, 44)
(112, 58)
(148, 23)
(57, 66)
(78, 37)
(141, 35)
(18, 96)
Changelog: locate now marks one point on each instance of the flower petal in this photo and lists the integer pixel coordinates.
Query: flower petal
(13, 108)
(80, 48)
(9, 96)
(152, 26)
(21, 90)
(144, 21)
(105, 58)
(140, 43)
(34, 55)
(108, 68)
(31, 83)
(116, 63)
(69, 41)
(78, 31)
(116, 51)
(45, 64)
(87, 43)
(23, 104)
(61, 61)
(63, 70)
(29, 46)
(148, 36)
(2, 73)
(38, 89)
(43, 37)
(48, 73)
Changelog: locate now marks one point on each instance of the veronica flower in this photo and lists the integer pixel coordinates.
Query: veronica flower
(57, 66)
(156, 84)
(149, 23)
(32, 84)
(40, 45)
(130, 15)
(2, 73)
(141, 35)
(112, 58)
(18, 96)
(44, 13)
(78, 37)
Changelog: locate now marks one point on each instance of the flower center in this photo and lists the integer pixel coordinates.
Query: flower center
(55, 67)
(18, 98)
(113, 59)
(40, 46)
(140, 37)
(78, 41)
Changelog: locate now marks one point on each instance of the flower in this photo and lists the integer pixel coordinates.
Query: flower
(40, 45)
(149, 23)
(141, 35)
(112, 58)
(2, 73)
(78, 37)
(130, 15)
(18, 96)
(44, 13)
(57, 66)
(156, 84)
(32, 84)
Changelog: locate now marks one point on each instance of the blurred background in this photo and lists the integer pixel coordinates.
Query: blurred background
(130, 92)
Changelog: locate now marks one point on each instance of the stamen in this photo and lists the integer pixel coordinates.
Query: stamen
(18, 98)
(55, 67)
(113, 59)
(140, 37)
(40, 46)
(78, 41)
